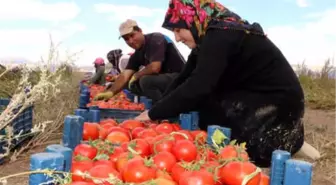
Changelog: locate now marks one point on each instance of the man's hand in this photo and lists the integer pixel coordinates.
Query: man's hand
(132, 80)
(103, 96)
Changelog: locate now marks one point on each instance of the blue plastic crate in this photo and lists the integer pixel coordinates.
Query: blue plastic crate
(118, 114)
(22, 123)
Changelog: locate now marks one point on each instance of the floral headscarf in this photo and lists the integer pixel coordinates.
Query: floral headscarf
(113, 57)
(199, 15)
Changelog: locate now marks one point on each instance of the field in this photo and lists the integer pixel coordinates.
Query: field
(319, 118)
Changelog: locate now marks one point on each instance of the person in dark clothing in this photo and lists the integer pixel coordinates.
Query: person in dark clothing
(157, 53)
(115, 57)
(99, 76)
(234, 77)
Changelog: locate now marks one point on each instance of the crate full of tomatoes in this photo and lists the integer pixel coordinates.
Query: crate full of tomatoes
(134, 152)
(120, 101)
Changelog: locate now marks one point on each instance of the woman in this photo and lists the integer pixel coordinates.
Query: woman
(99, 76)
(235, 77)
(118, 60)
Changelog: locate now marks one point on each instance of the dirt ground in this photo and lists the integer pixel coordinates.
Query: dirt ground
(320, 132)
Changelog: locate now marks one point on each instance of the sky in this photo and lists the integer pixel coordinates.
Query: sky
(302, 29)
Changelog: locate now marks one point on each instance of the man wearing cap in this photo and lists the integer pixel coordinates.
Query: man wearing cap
(157, 53)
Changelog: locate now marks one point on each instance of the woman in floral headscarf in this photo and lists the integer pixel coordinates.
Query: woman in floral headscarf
(235, 77)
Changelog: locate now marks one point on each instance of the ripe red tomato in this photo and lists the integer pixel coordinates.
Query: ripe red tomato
(177, 170)
(115, 153)
(80, 183)
(131, 124)
(201, 177)
(161, 143)
(120, 129)
(176, 126)
(136, 131)
(90, 131)
(229, 152)
(164, 161)
(140, 146)
(165, 128)
(264, 179)
(199, 136)
(85, 150)
(118, 137)
(78, 168)
(147, 133)
(136, 171)
(104, 162)
(123, 159)
(185, 150)
(109, 121)
(234, 172)
(182, 135)
(102, 172)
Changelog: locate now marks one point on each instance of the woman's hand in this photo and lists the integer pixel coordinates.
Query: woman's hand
(143, 116)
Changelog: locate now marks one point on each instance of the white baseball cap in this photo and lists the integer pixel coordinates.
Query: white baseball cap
(127, 27)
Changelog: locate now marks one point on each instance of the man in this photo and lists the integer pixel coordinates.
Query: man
(157, 53)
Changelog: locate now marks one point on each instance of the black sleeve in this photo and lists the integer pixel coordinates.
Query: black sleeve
(211, 63)
(157, 48)
(133, 62)
(185, 73)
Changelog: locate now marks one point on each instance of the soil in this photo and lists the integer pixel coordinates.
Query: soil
(320, 132)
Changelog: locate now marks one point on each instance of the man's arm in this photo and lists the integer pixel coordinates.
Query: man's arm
(156, 53)
(152, 68)
(121, 81)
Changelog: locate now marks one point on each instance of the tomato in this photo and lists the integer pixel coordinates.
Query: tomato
(165, 128)
(78, 168)
(153, 125)
(112, 129)
(131, 124)
(206, 154)
(176, 126)
(163, 181)
(162, 143)
(140, 146)
(115, 153)
(164, 161)
(90, 131)
(102, 133)
(177, 170)
(201, 177)
(123, 159)
(118, 137)
(264, 179)
(185, 150)
(200, 136)
(109, 121)
(85, 150)
(234, 172)
(81, 183)
(163, 174)
(103, 172)
(136, 131)
(136, 171)
(182, 135)
(105, 162)
(147, 133)
(229, 152)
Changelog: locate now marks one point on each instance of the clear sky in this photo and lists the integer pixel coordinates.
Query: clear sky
(302, 29)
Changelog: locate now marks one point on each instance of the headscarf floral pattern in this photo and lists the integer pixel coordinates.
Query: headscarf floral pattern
(203, 14)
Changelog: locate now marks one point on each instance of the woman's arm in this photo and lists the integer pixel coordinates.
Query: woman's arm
(212, 61)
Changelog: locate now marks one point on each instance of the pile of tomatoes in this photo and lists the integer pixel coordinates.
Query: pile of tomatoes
(119, 101)
(135, 152)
